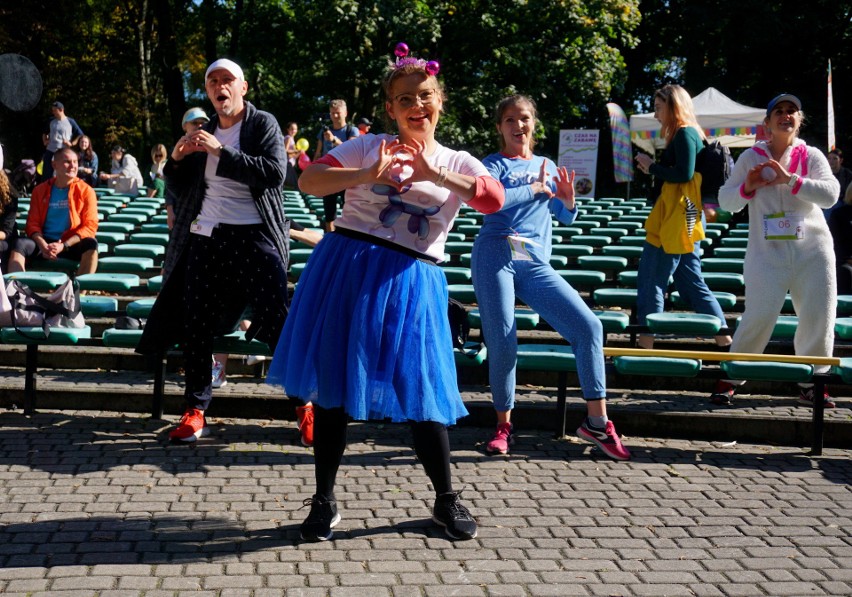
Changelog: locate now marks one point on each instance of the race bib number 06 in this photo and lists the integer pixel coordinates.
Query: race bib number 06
(783, 226)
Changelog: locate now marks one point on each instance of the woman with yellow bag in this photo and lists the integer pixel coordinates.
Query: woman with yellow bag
(675, 225)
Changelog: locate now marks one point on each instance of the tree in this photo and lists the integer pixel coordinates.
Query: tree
(127, 70)
(750, 51)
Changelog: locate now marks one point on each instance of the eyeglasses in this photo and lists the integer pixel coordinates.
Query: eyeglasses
(406, 100)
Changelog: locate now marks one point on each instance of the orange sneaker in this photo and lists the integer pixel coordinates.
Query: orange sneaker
(190, 427)
(305, 423)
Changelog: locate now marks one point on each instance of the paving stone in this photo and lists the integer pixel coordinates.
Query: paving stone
(221, 517)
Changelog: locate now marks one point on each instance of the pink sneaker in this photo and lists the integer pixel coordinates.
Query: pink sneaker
(502, 439)
(605, 439)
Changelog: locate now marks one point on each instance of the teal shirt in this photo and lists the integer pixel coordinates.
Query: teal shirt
(677, 164)
(58, 218)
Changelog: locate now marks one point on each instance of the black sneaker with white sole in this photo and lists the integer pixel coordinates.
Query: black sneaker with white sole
(457, 521)
(321, 519)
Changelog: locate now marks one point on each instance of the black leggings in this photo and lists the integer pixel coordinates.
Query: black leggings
(431, 444)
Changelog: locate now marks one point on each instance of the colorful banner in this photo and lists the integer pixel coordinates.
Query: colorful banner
(622, 152)
(578, 151)
(831, 139)
(716, 132)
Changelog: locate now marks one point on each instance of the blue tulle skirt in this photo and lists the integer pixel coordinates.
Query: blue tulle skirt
(368, 331)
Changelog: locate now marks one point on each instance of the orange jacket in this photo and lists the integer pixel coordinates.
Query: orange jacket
(82, 205)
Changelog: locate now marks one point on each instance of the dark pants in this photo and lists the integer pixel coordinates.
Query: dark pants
(329, 206)
(46, 166)
(236, 267)
(29, 249)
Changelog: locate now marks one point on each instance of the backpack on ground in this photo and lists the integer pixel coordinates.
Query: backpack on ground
(713, 162)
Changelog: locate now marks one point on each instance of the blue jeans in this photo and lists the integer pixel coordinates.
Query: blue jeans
(655, 268)
(498, 279)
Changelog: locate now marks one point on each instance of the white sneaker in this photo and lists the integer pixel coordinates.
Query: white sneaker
(254, 359)
(218, 374)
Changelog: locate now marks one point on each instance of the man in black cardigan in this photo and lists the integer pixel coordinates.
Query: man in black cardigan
(229, 245)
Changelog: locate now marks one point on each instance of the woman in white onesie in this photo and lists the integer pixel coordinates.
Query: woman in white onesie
(786, 184)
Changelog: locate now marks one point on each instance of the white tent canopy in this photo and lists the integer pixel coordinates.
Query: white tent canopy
(734, 124)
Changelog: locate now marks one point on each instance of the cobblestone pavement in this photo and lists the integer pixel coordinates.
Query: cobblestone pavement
(96, 503)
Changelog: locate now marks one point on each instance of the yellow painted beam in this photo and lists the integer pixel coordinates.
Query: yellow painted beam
(706, 355)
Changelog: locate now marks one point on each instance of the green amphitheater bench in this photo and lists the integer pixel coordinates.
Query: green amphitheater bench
(572, 251)
(98, 306)
(843, 328)
(657, 366)
(154, 284)
(582, 278)
(456, 275)
(463, 293)
(722, 264)
(150, 238)
(106, 282)
(43, 281)
(472, 354)
(785, 327)
(32, 338)
(606, 263)
(551, 357)
(626, 251)
(593, 240)
(125, 264)
(124, 227)
(104, 236)
(748, 367)
(155, 252)
(153, 228)
(615, 297)
(729, 252)
(525, 319)
(612, 232)
(680, 323)
(844, 305)
(634, 240)
(727, 301)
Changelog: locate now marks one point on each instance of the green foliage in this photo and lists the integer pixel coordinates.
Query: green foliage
(97, 56)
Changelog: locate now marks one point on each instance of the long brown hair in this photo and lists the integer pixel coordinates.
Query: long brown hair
(681, 110)
(89, 152)
(6, 191)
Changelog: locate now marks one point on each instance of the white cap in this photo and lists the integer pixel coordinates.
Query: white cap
(228, 65)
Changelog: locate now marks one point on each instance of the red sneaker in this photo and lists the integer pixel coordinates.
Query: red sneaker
(190, 427)
(806, 397)
(305, 422)
(723, 395)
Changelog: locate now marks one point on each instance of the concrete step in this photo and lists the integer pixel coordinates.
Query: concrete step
(773, 417)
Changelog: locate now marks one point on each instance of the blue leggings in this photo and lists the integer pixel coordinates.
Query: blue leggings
(498, 280)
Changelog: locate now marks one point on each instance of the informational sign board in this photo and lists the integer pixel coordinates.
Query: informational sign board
(578, 151)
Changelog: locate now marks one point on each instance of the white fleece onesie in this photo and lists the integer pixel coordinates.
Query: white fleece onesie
(804, 267)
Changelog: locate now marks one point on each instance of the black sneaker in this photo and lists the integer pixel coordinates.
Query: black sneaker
(723, 395)
(453, 516)
(322, 518)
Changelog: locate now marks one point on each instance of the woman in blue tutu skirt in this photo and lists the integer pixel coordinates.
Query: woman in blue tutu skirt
(367, 336)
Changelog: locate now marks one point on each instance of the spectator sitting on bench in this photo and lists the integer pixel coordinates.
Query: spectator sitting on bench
(8, 213)
(62, 220)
